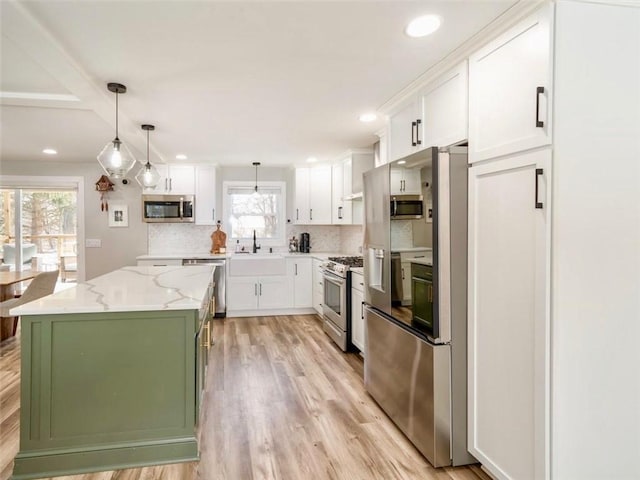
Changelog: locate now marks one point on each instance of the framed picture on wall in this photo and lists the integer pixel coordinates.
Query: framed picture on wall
(118, 216)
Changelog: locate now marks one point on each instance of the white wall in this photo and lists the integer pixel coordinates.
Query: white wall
(595, 310)
(120, 246)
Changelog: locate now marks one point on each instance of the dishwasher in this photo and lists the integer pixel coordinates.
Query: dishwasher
(218, 278)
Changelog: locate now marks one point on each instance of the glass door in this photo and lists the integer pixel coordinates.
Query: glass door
(38, 230)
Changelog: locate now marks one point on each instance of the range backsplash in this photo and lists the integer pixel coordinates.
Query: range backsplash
(171, 238)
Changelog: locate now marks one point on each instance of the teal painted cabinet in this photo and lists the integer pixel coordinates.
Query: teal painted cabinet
(104, 391)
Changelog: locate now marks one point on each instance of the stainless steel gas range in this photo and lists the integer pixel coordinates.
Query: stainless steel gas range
(336, 307)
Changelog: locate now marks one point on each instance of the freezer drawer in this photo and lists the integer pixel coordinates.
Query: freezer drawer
(409, 378)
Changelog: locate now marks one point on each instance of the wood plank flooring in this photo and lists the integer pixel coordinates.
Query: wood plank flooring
(281, 402)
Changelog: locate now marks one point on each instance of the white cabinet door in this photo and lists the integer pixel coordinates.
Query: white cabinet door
(509, 218)
(404, 181)
(337, 193)
(405, 272)
(403, 130)
(242, 293)
(318, 285)
(205, 195)
(357, 311)
(320, 195)
(301, 197)
(445, 108)
(509, 90)
(273, 292)
(300, 272)
(182, 180)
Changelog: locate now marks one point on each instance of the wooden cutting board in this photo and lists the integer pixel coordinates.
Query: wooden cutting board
(218, 240)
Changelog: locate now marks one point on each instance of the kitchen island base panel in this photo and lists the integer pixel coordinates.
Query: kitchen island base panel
(57, 463)
(107, 391)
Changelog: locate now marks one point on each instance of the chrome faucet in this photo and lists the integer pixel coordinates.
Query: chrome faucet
(255, 245)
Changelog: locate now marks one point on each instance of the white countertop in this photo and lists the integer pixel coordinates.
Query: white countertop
(422, 261)
(191, 255)
(129, 289)
(411, 249)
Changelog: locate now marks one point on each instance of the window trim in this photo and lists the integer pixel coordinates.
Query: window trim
(278, 241)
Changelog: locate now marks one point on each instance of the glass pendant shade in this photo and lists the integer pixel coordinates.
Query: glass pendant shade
(148, 176)
(116, 159)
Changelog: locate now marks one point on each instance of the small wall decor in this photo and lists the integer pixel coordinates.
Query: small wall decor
(104, 185)
(119, 216)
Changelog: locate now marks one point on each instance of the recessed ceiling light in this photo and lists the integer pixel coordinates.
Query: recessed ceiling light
(50, 151)
(312, 160)
(402, 162)
(423, 26)
(181, 156)
(368, 117)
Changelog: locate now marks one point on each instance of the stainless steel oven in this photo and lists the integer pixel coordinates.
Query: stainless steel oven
(335, 308)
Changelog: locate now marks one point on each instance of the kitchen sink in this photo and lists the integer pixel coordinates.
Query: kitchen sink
(257, 264)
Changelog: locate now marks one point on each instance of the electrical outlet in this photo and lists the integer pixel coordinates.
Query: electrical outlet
(93, 243)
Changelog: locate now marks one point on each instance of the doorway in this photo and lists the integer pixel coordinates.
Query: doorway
(40, 225)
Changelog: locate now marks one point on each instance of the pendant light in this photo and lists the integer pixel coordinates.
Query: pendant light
(255, 190)
(148, 176)
(115, 158)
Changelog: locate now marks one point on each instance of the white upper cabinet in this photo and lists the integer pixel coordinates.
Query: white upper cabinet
(436, 116)
(445, 109)
(403, 130)
(404, 181)
(205, 195)
(176, 179)
(312, 196)
(509, 90)
(340, 209)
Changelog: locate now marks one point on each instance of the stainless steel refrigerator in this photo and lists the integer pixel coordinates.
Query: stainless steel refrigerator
(415, 349)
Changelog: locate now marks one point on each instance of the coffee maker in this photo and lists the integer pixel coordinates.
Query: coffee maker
(305, 243)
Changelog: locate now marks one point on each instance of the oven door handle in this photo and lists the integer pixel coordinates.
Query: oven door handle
(333, 278)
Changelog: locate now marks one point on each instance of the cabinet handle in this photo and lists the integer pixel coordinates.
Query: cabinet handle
(311, 214)
(361, 309)
(297, 218)
(539, 171)
(413, 132)
(539, 123)
(213, 214)
(402, 270)
(339, 213)
(207, 338)
(260, 289)
(296, 268)
(418, 141)
(170, 184)
(166, 184)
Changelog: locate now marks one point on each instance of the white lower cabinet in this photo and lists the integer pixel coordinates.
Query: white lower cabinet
(318, 286)
(299, 271)
(357, 310)
(509, 219)
(252, 293)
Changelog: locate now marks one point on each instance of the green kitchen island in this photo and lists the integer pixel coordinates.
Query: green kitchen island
(112, 371)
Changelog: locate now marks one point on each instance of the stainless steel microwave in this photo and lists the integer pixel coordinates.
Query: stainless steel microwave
(406, 207)
(168, 208)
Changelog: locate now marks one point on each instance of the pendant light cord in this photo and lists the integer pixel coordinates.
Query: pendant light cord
(256, 189)
(117, 116)
(148, 165)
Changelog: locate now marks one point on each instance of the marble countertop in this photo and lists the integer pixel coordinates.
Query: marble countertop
(129, 289)
(191, 255)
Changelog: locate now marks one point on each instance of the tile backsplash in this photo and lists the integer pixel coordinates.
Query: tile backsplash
(170, 238)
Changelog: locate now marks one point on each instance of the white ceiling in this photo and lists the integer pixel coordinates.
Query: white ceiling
(223, 82)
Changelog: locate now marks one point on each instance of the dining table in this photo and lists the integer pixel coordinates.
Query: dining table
(8, 279)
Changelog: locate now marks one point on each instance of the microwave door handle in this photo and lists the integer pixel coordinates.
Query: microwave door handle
(395, 206)
(180, 208)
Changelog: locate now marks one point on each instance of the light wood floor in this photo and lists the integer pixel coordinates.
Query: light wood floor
(281, 402)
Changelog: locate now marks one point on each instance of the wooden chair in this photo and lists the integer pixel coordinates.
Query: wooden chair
(42, 285)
